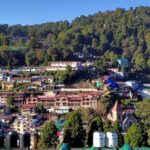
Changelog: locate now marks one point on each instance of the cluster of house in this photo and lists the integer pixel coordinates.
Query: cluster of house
(61, 100)
(59, 103)
(8, 82)
(53, 66)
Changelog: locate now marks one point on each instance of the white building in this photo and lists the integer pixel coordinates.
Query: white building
(132, 84)
(62, 110)
(63, 64)
(3, 76)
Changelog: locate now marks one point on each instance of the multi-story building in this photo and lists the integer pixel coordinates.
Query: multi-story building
(18, 98)
(61, 65)
(64, 102)
(22, 125)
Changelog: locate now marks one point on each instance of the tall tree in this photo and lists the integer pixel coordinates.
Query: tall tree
(74, 134)
(48, 138)
(142, 111)
(10, 102)
(96, 125)
(135, 135)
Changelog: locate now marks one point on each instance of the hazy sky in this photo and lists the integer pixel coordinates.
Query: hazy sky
(40, 11)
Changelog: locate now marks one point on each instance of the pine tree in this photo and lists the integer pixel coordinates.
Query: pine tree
(96, 125)
(48, 138)
(74, 134)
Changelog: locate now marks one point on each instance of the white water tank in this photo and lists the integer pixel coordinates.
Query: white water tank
(111, 139)
(98, 139)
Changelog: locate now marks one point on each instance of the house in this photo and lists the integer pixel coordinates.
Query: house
(31, 100)
(18, 98)
(16, 39)
(62, 110)
(6, 119)
(125, 117)
(48, 79)
(132, 84)
(128, 118)
(123, 62)
(3, 76)
(51, 68)
(26, 124)
(21, 80)
(115, 113)
(8, 85)
(114, 72)
(4, 96)
(63, 64)
(28, 109)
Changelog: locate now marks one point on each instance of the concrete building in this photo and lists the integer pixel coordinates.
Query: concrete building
(62, 103)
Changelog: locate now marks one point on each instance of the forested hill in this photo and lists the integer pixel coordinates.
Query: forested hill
(118, 33)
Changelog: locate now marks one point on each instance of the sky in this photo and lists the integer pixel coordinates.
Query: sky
(27, 12)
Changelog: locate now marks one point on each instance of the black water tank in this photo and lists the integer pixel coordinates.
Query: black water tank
(11, 140)
(1, 141)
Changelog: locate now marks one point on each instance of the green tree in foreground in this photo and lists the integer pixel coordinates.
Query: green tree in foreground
(74, 134)
(148, 134)
(10, 102)
(48, 137)
(143, 112)
(96, 125)
(107, 126)
(135, 135)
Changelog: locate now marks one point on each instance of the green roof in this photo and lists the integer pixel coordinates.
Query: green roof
(65, 146)
(93, 148)
(99, 84)
(126, 147)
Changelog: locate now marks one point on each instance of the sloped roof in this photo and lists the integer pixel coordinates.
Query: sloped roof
(116, 107)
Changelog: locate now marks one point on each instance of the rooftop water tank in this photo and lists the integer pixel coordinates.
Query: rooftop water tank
(111, 139)
(98, 139)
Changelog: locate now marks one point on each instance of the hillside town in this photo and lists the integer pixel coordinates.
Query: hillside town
(31, 97)
(76, 84)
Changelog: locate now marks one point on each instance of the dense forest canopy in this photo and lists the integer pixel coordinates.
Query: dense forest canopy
(119, 33)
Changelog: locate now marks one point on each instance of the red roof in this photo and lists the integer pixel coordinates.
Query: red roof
(116, 107)
(28, 106)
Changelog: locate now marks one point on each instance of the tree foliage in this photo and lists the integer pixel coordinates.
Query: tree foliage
(48, 138)
(95, 125)
(143, 112)
(74, 134)
(135, 135)
(112, 34)
(10, 102)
